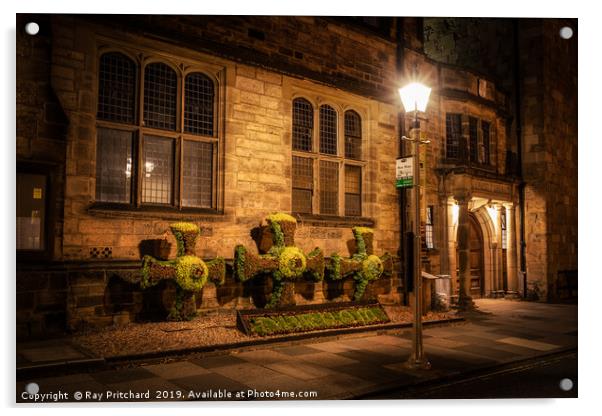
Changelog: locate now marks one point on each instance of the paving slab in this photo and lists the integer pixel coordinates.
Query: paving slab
(350, 365)
(217, 361)
(326, 359)
(176, 369)
(208, 382)
(242, 372)
(117, 376)
(523, 342)
(296, 350)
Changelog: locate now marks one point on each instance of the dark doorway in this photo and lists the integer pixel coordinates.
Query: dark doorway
(477, 270)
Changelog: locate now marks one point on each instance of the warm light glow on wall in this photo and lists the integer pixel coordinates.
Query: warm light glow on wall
(455, 213)
(493, 214)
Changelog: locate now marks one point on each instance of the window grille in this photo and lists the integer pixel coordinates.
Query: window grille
(198, 104)
(329, 187)
(303, 124)
(160, 96)
(428, 229)
(453, 127)
(114, 165)
(157, 170)
(116, 88)
(353, 135)
(353, 191)
(303, 184)
(485, 126)
(504, 230)
(474, 139)
(197, 174)
(155, 167)
(328, 130)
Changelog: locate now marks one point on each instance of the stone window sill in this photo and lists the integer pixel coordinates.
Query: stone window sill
(112, 210)
(332, 220)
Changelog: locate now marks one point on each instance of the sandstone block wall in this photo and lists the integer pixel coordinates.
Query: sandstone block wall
(549, 68)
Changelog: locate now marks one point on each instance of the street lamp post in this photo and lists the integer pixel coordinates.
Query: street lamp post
(415, 97)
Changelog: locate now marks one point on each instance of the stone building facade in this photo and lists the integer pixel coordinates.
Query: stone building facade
(538, 70)
(127, 124)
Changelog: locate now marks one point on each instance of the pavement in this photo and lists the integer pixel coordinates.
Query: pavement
(352, 366)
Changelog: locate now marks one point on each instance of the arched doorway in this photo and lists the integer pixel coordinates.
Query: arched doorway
(477, 269)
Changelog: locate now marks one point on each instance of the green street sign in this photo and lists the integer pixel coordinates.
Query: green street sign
(405, 182)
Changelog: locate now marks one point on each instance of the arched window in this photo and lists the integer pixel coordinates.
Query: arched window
(199, 96)
(170, 155)
(328, 130)
(303, 125)
(117, 76)
(160, 96)
(353, 135)
(325, 180)
(117, 88)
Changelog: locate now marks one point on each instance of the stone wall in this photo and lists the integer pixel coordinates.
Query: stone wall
(549, 108)
(262, 64)
(547, 79)
(255, 150)
(256, 154)
(41, 123)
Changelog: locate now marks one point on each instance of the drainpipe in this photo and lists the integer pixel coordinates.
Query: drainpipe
(401, 192)
(519, 144)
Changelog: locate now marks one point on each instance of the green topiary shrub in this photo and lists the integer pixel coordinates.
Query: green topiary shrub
(291, 263)
(284, 261)
(191, 273)
(363, 266)
(372, 267)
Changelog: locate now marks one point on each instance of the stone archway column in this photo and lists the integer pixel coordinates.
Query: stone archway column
(464, 299)
(499, 267)
(449, 262)
(511, 254)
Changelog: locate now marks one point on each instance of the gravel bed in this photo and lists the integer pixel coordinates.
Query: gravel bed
(204, 330)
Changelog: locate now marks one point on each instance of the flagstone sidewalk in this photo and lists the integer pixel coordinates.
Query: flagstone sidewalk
(503, 332)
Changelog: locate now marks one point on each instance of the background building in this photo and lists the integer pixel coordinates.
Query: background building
(126, 124)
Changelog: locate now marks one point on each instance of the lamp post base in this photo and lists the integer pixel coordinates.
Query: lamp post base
(414, 363)
(466, 304)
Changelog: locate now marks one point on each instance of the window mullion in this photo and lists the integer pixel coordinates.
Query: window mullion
(139, 167)
(179, 171)
(140, 138)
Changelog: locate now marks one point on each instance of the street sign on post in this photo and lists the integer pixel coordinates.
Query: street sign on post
(404, 172)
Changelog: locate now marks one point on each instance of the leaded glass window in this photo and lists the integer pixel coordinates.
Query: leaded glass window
(353, 191)
(329, 187)
(157, 168)
(303, 124)
(353, 135)
(328, 130)
(303, 184)
(135, 163)
(453, 129)
(116, 88)
(114, 165)
(199, 98)
(160, 96)
(485, 127)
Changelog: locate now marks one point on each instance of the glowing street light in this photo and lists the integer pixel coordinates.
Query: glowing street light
(415, 97)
